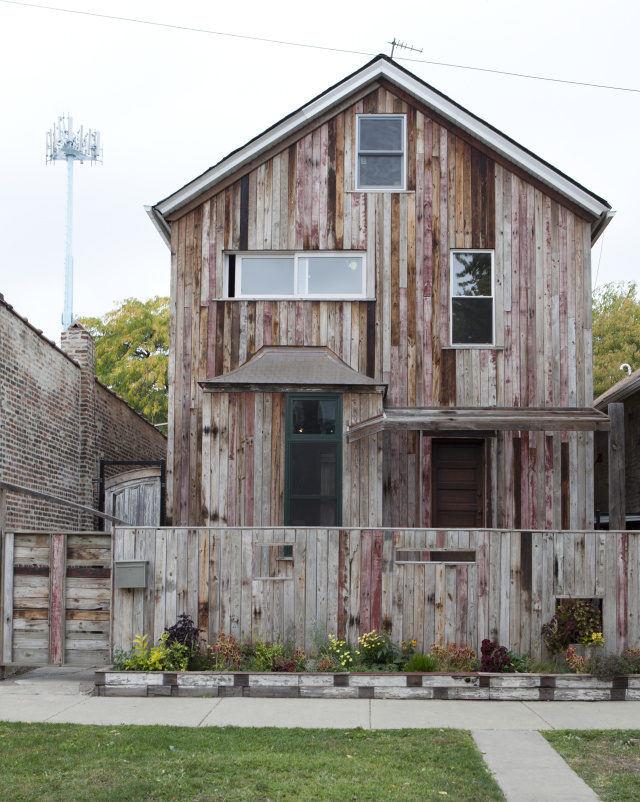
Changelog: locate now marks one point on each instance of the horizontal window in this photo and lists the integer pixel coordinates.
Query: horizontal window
(304, 274)
(380, 145)
(472, 302)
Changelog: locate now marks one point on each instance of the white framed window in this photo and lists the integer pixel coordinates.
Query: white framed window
(381, 151)
(297, 274)
(471, 310)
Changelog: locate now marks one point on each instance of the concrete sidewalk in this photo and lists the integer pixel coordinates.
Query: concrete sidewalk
(507, 733)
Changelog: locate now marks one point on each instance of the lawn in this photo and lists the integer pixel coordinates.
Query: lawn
(608, 760)
(67, 761)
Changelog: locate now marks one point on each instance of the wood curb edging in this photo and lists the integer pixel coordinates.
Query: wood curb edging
(308, 685)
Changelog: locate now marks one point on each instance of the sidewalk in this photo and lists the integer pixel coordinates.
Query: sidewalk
(505, 732)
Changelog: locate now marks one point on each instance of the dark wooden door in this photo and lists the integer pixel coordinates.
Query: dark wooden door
(458, 483)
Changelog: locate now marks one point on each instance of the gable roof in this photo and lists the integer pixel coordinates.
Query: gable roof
(620, 391)
(382, 67)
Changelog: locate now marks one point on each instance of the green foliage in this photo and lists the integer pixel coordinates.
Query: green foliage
(421, 662)
(605, 666)
(521, 663)
(132, 354)
(376, 648)
(575, 621)
(616, 333)
(165, 656)
(263, 653)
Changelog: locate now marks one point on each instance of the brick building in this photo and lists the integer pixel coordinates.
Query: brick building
(57, 421)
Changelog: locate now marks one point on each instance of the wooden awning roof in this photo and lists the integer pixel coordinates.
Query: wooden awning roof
(285, 368)
(438, 420)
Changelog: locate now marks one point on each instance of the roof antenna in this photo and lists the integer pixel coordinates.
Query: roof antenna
(402, 45)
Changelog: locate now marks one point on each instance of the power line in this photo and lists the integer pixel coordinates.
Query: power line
(191, 29)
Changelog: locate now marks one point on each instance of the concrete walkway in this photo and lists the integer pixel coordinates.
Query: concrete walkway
(507, 733)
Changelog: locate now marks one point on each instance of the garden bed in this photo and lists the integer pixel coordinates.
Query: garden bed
(374, 685)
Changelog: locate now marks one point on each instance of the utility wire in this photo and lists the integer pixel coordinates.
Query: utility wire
(191, 29)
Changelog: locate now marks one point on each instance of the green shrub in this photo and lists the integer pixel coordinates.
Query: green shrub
(605, 666)
(144, 657)
(421, 662)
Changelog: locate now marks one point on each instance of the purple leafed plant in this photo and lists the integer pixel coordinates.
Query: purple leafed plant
(495, 658)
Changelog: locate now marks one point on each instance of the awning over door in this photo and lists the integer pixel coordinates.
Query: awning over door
(283, 368)
(451, 420)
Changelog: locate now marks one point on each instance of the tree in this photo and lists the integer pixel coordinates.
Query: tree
(616, 333)
(132, 354)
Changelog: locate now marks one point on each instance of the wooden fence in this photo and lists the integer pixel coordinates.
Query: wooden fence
(55, 594)
(429, 585)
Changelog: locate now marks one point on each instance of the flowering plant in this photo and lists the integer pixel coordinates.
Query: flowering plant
(577, 663)
(341, 653)
(226, 653)
(575, 621)
(454, 657)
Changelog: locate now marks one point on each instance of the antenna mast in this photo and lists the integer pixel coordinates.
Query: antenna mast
(65, 144)
(403, 45)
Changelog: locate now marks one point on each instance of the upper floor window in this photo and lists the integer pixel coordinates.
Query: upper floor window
(381, 150)
(305, 274)
(472, 313)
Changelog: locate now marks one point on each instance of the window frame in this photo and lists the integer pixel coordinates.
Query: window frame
(292, 437)
(492, 297)
(298, 294)
(382, 188)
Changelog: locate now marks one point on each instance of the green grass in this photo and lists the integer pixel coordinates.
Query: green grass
(68, 761)
(607, 760)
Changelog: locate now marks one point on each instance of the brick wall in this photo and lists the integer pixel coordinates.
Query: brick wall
(57, 421)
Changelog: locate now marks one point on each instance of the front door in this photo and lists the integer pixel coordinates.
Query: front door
(458, 484)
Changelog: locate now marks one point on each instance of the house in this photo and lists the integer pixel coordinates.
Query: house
(380, 409)
(626, 394)
(58, 422)
(381, 316)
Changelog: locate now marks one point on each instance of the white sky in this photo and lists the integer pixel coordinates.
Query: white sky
(169, 104)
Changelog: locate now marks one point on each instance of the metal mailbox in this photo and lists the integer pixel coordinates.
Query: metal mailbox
(132, 574)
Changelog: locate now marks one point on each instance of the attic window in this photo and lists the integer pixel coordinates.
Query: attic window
(381, 151)
(304, 274)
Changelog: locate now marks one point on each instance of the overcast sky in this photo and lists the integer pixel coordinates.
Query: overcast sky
(170, 103)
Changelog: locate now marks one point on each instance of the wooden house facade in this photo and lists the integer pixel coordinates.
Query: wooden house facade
(381, 317)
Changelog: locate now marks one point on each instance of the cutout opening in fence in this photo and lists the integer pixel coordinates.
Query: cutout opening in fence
(402, 556)
(272, 561)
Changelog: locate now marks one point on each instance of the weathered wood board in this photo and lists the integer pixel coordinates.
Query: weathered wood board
(56, 598)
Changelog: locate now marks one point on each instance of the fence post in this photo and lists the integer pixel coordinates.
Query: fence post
(617, 500)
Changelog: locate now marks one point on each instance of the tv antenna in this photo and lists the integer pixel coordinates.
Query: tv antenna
(403, 46)
(63, 143)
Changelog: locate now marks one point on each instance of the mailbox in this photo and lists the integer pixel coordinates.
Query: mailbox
(132, 574)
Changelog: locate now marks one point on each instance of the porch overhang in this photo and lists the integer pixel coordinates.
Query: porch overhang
(481, 420)
(288, 368)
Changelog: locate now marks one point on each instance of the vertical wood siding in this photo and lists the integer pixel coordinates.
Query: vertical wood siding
(458, 197)
(350, 580)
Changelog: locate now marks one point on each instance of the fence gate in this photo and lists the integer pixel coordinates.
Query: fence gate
(56, 598)
(134, 496)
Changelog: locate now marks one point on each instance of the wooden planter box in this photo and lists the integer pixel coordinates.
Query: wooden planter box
(375, 685)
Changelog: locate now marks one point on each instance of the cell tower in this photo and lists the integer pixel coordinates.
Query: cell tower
(63, 143)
